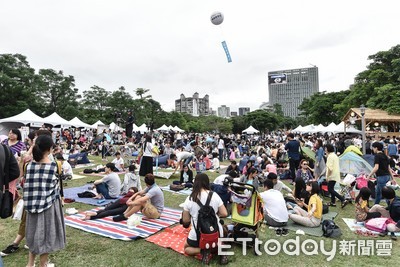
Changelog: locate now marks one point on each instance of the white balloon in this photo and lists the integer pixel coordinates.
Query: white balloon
(217, 18)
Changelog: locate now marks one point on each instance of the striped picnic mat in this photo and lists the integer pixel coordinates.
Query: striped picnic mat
(119, 230)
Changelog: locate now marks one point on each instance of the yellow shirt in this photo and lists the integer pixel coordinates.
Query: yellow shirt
(314, 199)
(332, 164)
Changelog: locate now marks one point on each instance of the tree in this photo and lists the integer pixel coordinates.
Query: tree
(262, 120)
(58, 92)
(319, 108)
(95, 105)
(141, 92)
(17, 86)
(381, 77)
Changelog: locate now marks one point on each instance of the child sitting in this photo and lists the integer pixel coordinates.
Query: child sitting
(362, 209)
(215, 161)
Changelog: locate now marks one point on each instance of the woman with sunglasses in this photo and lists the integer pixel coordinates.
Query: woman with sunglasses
(304, 172)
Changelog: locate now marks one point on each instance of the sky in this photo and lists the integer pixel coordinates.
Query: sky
(171, 46)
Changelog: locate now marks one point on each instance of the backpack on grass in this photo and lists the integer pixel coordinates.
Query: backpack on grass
(330, 229)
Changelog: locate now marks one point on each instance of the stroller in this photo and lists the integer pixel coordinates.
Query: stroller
(247, 212)
(347, 187)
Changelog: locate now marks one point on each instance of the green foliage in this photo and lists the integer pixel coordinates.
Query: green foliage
(381, 77)
(319, 108)
(17, 86)
(263, 120)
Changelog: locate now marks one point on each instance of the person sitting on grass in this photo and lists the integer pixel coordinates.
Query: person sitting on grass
(119, 162)
(233, 167)
(201, 190)
(109, 186)
(186, 176)
(362, 210)
(278, 184)
(149, 201)
(117, 207)
(312, 218)
(392, 211)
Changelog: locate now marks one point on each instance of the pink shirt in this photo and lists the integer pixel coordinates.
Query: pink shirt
(271, 168)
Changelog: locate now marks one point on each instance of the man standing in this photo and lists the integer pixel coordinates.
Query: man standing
(333, 175)
(129, 126)
(293, 149)
(381, 170)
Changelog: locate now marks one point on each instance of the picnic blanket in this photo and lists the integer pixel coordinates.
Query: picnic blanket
(186, 191)
(355, 226)
(118, 230)
(173, 238)
(100, 174)
(77, 176)
(84, 165)
(314, 231)
(73, 194)
(164, 175)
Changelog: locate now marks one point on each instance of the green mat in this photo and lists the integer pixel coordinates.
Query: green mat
(314, 231)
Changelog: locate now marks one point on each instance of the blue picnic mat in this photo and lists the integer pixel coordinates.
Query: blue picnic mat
(73, 194)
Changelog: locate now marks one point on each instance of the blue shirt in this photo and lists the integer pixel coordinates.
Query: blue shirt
(293, 148)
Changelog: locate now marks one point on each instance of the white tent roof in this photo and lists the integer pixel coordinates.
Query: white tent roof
(55, 119)
(250, 130)
(78, 123)
(297, 129)
(308, 128)
(163, 128)
(25, 117)
(114, 127)
(331, 128)
(97, 123)
(318, 129)
(177, 129)
(170, 127)
(143, 128)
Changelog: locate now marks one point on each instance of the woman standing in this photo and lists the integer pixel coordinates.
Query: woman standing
(319, 159)
(146, 164)
(14, 142)
(45, 228)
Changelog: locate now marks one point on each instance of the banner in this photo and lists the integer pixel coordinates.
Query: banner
(277, 78)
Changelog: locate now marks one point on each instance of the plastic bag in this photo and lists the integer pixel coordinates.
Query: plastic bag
(133, 221)
(19, 208)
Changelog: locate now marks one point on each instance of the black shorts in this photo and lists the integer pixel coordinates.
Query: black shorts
(192, 243)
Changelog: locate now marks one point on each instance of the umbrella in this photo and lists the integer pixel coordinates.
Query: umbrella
(308, 152)
(209, 140)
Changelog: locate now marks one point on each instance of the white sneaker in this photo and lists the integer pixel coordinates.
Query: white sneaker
(26, 247)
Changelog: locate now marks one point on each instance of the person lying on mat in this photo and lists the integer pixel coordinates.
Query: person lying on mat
(392, 211)
(201, 191)
(109, 186)
(149, 201)
(312, 218)
(117, 207)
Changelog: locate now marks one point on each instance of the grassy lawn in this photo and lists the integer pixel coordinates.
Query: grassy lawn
(85, 249)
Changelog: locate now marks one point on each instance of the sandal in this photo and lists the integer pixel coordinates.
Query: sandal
(223, 260)
(205, 257)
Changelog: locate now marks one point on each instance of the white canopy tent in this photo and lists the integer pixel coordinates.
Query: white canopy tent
(318, 129)
(55, 119)
(170, 127)
(115, 128)
(78, 123)
(298, 129)
(177, 129)
(163, 128)
(250, 130)
(331, 128)
(25, 118)
(97, 123)
(143, 128)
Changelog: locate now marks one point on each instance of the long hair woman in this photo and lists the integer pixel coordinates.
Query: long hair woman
(201, 190)
(45, 228)
(146, 163)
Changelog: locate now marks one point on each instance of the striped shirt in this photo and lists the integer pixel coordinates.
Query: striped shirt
(16, 148)
(41, 187)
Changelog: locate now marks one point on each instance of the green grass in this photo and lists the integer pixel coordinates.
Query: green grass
(85, 249)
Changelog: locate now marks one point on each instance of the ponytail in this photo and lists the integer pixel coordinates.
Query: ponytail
(43, 144)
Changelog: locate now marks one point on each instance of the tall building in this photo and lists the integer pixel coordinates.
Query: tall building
(234, 114)
(243, 111)
(289, 88)
(194, 106)
(224, 111)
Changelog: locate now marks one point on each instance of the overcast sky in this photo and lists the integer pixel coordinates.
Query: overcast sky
(171, 47)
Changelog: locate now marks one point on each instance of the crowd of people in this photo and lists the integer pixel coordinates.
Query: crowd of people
(262, 161)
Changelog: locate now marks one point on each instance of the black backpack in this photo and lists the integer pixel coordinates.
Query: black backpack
(330, 229)
(207, 222)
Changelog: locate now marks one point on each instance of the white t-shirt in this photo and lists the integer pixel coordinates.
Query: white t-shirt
(147, 150)
(220, 179)
(183, 155)
(193, 208)
(118, 163)
(67, 169)
(215, 163)
(275, 205)
(221, 144)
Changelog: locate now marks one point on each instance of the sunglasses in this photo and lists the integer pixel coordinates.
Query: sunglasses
(305, 163)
